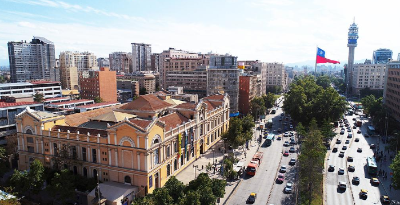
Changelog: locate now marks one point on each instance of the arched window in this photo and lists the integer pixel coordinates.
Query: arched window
(28, 131)
(127, 179)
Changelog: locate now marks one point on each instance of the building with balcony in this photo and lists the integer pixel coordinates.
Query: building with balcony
(121, 62)
(121, 147)
(276, 78)
(141, 60)
(146, 80)
(192, 82)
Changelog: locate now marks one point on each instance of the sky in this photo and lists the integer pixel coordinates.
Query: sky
(286, 31)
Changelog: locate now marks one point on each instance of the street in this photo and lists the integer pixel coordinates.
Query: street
(263, 183)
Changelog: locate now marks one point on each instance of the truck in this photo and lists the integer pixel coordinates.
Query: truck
(258, 157)
(358, 123)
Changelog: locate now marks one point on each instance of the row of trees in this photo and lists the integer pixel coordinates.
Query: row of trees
(259, 105)
(307, 100)
(201, 190)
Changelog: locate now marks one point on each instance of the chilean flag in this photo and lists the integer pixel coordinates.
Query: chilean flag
(321, 57)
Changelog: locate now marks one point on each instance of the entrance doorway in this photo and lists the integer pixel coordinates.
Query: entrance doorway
(201, 147)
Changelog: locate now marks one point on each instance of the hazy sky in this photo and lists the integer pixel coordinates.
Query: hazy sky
(285, 31)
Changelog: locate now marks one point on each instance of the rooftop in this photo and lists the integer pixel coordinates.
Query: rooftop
(80, 118)
(82, 130)
(59, 98)
(16, 104)
(146, 103)
(172, 120)
(140, 123)
(113, 116)
(98, 104)
(71, 102)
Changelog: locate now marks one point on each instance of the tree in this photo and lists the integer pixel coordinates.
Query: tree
(38, 97)
(66, 156)
(142, 91)
(239, 131)
(395, 167)
(324, 81)
(31, 181)
(326, 131)
(161, 196)
(257, 107)
(62, 187)
(269, 100)
(98, 99)
(176, 188)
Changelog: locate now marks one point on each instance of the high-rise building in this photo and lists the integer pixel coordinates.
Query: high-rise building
(391, 93)
(81, 60)
(121, 62)
(101, 84)
(223, 77)
(31, 61)
(367, 75)
(352, 44)
(103, 62)
(382, 56)
(257, 68)
(276, 78)
(141, 60)
(174, 60)
(155, 62)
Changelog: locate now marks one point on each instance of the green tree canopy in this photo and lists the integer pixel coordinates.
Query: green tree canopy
(98, 99)
(269, 100)
(395, 166)
(257, 107)
(239, 131)
(62, 187)
(324, 81)
(38, 97)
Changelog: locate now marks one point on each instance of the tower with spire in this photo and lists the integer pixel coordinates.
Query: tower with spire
(352, 44)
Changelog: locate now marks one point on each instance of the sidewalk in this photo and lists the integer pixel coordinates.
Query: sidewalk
(188, 174)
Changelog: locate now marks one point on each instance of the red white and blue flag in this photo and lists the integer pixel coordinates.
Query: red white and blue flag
(321, 57)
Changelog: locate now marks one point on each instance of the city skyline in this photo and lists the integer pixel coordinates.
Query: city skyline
(267, 30)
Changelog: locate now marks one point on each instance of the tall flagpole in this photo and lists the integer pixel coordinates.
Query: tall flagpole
(316, 54)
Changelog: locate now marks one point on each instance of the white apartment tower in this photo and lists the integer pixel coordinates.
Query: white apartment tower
(31, 61)
(141, 60)
(368, 75)
(71, 63)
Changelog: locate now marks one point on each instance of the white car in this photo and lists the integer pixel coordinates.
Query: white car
(288, 188)
(282, 169)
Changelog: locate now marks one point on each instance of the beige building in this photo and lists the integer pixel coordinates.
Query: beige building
(276, 76)
(193, 82)
(141, 144)
(368, 76)
(69, 78)
(146, 80)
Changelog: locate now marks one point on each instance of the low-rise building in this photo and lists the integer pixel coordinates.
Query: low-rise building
(192, 82)
(146, 80)
(122, 147)
(49, 89)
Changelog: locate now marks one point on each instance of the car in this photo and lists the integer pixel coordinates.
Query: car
(279, 138)
(334, 149)
(291, 126)
(292, 150)
(292, 142)
(342, 128)
(342, 185)
(385, 199)
(348, 130)
(349, 159)
(285, 123)
(342, 132)
(363, 194)
(344, 147)
(347, 142)
(349, 135)
(286, 153)
(338, 141)
(281, 178)
(341, 125)
(354, 119)
(372, 146)
(374, 181)
(359, 149)
(292, 161)
(282, 169)
(288, 187)
(286, 134)
(286, 144)
(341, 171)
(292, 138)
(331, 168)
(252, 198)
(356, 180)
(351, 168)
(341, 154)
(358, 131)
(354, 127)
(357, 139)
(347, 125)
(280, 119)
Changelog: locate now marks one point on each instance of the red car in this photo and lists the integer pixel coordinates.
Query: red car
(286, 153)
(281, 178)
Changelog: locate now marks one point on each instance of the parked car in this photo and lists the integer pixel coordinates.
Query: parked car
(292, 161)
(281, 178)
(288, 188)
(341, 171)
(331, 168)
(279, 138)
(342, 185)
(385, 199)
(351, 168)
(286, 153)
(342, 132)
(292, 150)
(282, 169)
(374, 181)
(356, 180)
(286, 144)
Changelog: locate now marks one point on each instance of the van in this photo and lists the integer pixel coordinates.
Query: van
(252, 168)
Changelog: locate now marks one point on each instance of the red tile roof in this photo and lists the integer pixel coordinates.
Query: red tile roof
(212, 104)
(92, 132)
(80, 118)
(146, 103)
(214, 97)
(172, 120)
(190, 106)
(70, 102)
(97, 104)
(140, 123)
(14, 104)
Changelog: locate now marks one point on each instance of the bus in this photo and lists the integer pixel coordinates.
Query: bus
(270, 123)
(371, 131)
(273, 111)
(251, 168)
(270, 138)
(372, 166)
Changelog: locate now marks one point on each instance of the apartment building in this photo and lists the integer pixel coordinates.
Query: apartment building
(101, 84)
(143, 152)
(193, 82)
(276, 77)
(155, 62)
(258, 68)
(103, 62)
(121, 62)
(146, 80)
(141, 60)
(248, 85)
(127, 89)
(391, 93)
(31, 61)
(367, 75)
(223, 77)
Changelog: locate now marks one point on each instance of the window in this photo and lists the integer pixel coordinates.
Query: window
(28, 131)
(94, 155)
(168, 151)
(30, 149)
(168, 170)
(127, 179)
(73, 150)
(29, 139)
(156, 152)
(55, 149)
(84, 153)
(175, 165)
